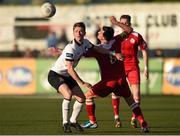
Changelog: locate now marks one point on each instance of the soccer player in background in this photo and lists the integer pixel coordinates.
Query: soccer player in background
(112, 79)
(129, 49)
(65, 79)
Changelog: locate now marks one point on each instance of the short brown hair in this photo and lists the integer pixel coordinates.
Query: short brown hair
(79, 24)
(128, 17)
(108, 32)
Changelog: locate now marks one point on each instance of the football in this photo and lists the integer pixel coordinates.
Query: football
(48, 10)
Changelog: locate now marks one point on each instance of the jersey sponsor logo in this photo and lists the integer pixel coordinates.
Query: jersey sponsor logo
(69, 55)
(19, 76)
(173, 76)
(86, 49)
(132, 40)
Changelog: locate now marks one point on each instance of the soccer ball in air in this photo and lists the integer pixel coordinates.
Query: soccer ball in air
(48, 10)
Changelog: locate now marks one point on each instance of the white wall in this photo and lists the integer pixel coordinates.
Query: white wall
(163, 21)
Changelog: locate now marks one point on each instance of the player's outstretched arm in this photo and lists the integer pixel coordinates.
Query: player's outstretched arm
(55, 52)
(108, 52)
(101, 50)
(127, 29)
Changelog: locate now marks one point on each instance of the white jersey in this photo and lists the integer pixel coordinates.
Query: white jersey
(71, 52)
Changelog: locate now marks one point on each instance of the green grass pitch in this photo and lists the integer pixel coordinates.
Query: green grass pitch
(42, 116)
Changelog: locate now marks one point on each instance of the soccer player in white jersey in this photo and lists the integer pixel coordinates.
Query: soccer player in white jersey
(65, 79)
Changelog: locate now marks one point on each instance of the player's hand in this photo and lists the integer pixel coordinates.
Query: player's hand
(113, 20)
(119, 56)
(146, 73)
(87, 85)
(54, 51)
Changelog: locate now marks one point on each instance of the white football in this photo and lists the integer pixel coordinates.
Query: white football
(48, 9)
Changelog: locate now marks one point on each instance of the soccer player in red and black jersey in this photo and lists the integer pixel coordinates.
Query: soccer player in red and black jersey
(129, 49)
(112, 80)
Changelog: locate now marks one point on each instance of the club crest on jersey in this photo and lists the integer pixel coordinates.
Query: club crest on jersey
(86, 49)
(132, 40)
(69, 55)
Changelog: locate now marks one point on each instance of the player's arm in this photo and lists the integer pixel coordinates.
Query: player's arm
(101, 50)
(74, 75)
(144, 48)
(127, 29)
(92, 48)
(55, 52)
(108, 52)
(98, 49)
(145, 59)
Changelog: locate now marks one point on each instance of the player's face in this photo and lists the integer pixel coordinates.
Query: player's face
(124, 21)
(100, 34)
(79, 34)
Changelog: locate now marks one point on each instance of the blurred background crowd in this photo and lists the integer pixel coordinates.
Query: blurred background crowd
(23, 37)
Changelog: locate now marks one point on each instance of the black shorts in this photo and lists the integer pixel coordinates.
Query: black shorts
(56, 80)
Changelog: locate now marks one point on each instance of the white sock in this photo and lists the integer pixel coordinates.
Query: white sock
(65, 110)
(76, 110)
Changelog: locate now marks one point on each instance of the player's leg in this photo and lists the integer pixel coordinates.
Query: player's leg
(138, 113)
(115, 105)
(98, 90)
(90, 109)
(137, 97)
(136, 93)
(67, 94)
(134, 81)
(59, 83)
(80, 98)
(124, 91)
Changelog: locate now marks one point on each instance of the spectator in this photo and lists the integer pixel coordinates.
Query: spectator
(63, 39)
(16, 52)
(52, 39)
(28, 53)
(35, 53)
(159, 52)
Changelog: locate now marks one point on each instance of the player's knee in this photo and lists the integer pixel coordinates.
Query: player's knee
(67, 96)
(114, 96)
(88, 95)
(137, 100)
(81, 100)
